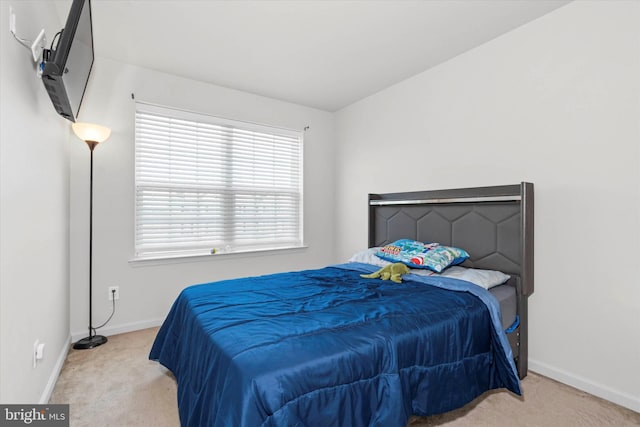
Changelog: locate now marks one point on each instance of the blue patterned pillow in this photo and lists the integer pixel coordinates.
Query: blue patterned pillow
(432, 256)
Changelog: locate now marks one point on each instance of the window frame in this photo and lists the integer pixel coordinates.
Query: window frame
(222, 249)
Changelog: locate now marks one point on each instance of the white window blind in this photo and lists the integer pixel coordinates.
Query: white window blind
(204, 183)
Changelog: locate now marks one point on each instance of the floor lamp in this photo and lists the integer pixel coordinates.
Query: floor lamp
(92, 135)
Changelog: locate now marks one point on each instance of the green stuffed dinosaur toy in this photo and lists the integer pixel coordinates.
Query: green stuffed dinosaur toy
(391, 271)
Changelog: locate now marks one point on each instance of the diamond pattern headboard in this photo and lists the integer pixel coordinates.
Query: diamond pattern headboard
(493, 224)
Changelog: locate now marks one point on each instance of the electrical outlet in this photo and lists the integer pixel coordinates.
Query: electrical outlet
(113, 295)
(35, 353)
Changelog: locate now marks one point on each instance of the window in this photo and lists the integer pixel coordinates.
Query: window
(206, 184)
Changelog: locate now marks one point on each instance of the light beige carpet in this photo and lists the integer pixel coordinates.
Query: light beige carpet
(116, 385)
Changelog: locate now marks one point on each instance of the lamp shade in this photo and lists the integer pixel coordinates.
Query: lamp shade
(91, 132)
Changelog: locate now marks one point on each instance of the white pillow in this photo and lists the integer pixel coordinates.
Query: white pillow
(484, 278)
(368, 256)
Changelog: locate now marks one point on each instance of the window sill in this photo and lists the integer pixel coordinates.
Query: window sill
(176, 259)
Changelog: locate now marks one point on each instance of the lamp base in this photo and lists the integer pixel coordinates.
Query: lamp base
(90, 342)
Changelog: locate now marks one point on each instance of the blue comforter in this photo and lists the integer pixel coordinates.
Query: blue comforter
(329, 348)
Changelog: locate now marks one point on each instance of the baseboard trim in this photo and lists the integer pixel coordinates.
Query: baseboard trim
(57, 368)
(600, 390)
(120, 329)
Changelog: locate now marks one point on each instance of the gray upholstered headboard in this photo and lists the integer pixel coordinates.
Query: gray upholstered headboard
(493, 224)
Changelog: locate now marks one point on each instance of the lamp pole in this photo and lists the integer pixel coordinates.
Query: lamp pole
(92, 145)
(87, 133)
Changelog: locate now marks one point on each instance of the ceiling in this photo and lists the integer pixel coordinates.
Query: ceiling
(323, 54)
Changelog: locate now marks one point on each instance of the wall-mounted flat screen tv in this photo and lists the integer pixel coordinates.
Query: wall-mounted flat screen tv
(67, 66)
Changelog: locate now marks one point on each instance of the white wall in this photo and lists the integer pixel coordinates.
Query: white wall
(147, 290)
(34, 210)
(555, 102)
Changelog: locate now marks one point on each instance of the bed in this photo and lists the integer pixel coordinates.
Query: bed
(327, 347)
